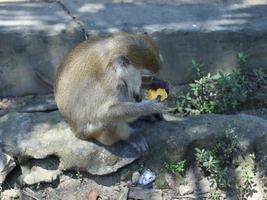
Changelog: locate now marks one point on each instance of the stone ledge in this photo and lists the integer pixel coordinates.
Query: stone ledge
(202, 17)
(33, 37)
(211, 33)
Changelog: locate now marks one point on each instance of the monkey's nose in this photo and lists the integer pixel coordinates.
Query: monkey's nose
(137, 97)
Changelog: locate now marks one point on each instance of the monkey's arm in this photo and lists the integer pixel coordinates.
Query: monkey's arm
(128, 110)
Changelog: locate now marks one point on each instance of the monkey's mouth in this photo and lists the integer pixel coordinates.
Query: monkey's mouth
(137, 97)
(147, 79)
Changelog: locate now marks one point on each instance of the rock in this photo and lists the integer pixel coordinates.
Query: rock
(10, 194)
(245, 172)
(194, 183)
(172, 138)
(144, 194)
(124, 194)
(135, 177)
(203, 186)
(28, 103)
(92, 195)
(7, 164)
(38, 175)
(262, 112)
(186, 189)
(67, 182)
(170, 180)
(39, 135)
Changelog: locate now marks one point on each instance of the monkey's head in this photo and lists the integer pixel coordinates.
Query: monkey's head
(125, 77)
(134, 61)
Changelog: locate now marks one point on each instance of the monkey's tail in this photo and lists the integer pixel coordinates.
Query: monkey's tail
(43, 80)
(48, 106)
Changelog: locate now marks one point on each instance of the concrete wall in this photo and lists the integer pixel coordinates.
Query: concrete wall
(35, 36)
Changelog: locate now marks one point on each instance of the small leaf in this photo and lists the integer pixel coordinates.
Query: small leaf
(92, 195)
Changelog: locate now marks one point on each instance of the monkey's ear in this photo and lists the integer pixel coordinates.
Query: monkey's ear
(121, 62)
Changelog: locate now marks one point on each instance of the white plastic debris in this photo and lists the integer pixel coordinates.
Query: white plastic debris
(147, 177)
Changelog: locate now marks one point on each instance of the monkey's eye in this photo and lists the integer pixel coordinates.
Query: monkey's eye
(121, 61)
(124, 61)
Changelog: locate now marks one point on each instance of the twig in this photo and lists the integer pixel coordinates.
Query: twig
(30, 195)
(190, 196)
(171, 109)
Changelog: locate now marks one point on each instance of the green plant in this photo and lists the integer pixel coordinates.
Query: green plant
(223, 178)
(246, 185)
(197, 67)
(211, 164)
(178, 167)
(242, 61)
(217, 162)
(227, 146)
(214, 194)
(184, 101)
(230, 91)
(219, 93)
(214, 168)
(200, 97)
(247, 174)
(260, 76)
(78, 174)
(203, 92)
(201, 154)
(207, 160)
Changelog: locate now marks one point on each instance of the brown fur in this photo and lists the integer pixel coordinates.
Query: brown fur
(86, 94)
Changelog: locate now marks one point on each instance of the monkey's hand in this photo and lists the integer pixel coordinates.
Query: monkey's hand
(161, 106)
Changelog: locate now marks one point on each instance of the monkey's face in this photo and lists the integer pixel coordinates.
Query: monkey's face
(127, 78)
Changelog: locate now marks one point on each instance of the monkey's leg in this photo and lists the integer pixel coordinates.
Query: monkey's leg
(114, 133)
(131, 136)
(107, 134)
(123, 132)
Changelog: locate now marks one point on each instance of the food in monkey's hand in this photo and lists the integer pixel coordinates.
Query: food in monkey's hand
(158, 94)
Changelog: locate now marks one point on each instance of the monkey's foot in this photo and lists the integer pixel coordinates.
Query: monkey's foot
(138, 141)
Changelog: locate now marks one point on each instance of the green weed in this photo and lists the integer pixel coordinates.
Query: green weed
(178, 167)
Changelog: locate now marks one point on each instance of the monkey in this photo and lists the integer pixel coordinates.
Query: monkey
(97, 87)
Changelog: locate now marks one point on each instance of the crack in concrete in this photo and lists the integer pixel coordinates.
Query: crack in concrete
(74, 18)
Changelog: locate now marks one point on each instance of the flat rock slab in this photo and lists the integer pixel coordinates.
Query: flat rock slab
(38, 174)
(152, 194)
(39, 135)
(7, 164)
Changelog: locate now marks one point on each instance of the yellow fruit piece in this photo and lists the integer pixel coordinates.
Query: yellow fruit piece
(153, 94)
